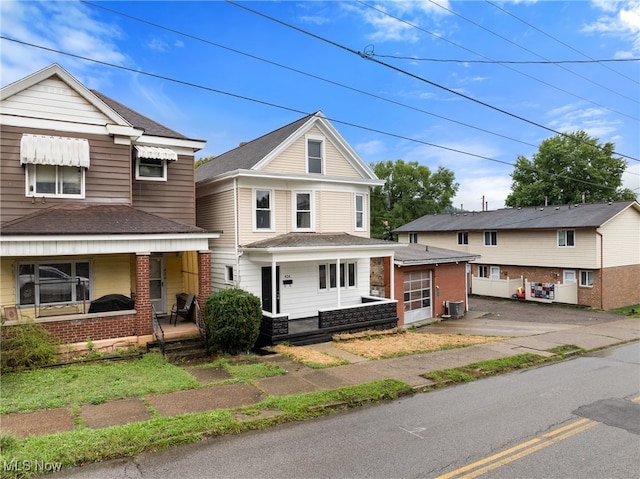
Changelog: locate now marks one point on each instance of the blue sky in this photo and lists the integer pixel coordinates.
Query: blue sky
(224, 74)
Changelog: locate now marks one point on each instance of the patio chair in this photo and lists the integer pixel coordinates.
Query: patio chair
(182, 308)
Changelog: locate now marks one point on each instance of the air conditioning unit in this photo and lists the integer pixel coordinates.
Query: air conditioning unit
(456, 309)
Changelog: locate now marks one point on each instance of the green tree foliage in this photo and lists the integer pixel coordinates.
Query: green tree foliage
(204, 160)
(233, 319)
(565, 168)
(27, 345)
(410, 191)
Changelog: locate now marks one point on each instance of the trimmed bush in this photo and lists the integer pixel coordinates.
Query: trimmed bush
(27, 345)
(233, 319)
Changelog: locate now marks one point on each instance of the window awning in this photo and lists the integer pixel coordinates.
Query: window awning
(54, 150)
(156, 153)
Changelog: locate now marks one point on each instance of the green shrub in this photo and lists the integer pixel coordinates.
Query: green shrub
(233, 319)
(27, 345)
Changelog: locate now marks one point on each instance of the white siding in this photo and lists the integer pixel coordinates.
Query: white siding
(215, 213)
(220, 259)
(621, 239)
(52, 99)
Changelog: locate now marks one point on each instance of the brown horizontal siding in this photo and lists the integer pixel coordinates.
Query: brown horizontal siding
(173, 199)
(106, 180)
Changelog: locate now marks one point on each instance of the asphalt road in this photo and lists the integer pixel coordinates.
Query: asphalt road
(578, 418)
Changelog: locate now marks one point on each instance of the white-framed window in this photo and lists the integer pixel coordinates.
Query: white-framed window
(53, 282)
(303, 211)
(463, 237)
(568, 276)
(483, 271)
(494, 272)
(491, 238)
(566, 238)
(229, 275)
(151, 169)
(55, 181)
(586, 278)
(328, 278)
(315, 155)
(413, 237)
(263, 212)
(359, 211)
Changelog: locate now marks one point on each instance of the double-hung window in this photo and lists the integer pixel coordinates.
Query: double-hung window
(263, 209)
(413, 237)
(483, 271)
(463, 237)
(566, 238)
(303, 211)
(586, 278)
(491, 238)
(55, 166)
(46, 282)
(314, 156)
(359, 211)
(328, 277)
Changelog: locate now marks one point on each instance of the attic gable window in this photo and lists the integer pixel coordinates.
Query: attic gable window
(151, 162)
(55, 166)
(314, 156)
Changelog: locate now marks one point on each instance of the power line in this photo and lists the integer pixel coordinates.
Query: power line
(531, 51)
(563, 43)
(412, 75)
(281, 107)
(503, 65)
(499, 62)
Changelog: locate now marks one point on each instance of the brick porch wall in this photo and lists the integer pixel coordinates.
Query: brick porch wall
(204, 277)
(77, 331)
(143, 321)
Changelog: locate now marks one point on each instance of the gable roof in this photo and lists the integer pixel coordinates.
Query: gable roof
(92, 219)
(591, 215)
(256, 153)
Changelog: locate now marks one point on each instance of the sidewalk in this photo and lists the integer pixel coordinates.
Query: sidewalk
(525, 337)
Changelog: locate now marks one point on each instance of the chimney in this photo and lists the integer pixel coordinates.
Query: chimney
(426, 247)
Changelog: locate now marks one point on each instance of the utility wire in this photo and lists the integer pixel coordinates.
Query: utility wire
(281, 107)
(412, 75)
(501, 62)
(332, 82)
(563, 43)
(531, 51)
(505, 66)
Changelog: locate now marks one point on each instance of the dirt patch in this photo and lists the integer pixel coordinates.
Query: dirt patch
(210, 375)
(308, 355)
(403, 343)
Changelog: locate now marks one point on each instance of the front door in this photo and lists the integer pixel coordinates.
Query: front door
(156, 283)
(267, 289)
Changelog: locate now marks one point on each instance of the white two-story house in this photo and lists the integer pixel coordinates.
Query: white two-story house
(293, 210)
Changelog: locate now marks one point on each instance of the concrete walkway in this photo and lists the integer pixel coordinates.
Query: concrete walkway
(534, 337)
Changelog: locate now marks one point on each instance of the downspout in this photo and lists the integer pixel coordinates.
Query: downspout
(601, 269)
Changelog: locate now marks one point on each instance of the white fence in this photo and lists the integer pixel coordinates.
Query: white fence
(541, 292)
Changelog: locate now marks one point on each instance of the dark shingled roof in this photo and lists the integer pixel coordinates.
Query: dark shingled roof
(139, 121)
(421, 254)
(566, 216)
(305, 240)
(248, 154)
(80, 219)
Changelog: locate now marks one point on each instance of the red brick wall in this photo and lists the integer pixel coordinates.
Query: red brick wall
(204, 277)
(144, 321)
(621, 286)
(77, 331)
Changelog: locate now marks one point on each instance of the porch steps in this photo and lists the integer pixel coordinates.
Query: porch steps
(184, 350)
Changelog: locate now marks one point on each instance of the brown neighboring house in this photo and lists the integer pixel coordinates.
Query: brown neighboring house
(96, 200)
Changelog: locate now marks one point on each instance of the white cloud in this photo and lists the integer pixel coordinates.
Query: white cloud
(621, 19)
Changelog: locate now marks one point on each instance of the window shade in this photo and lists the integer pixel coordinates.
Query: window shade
(54, 150)
(156, 153)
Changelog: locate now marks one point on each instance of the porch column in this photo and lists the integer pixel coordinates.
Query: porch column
(204, 277)
(144, 320)
(339, 277)
(392, 280)
(274, 287)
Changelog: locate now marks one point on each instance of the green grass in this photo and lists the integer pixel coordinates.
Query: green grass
(483, 369)
(632, 311)
(91, 445)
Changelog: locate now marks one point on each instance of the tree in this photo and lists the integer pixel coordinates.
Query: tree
(204, 159)
(410, 191)
(567, 168)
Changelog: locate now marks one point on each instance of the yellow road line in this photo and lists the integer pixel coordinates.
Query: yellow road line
(524, 449)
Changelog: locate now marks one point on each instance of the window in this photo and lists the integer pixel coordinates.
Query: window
(483, 271)
(54, 180)
(494, 272)
(152, 169)
(566, 238)
(228, 274)
(568, 276)
(303, 211)
(314, 156)
(586, 278)
(490, 238)
(359, 212)
(463, 237)
(263, 209)
(413, 237)
(53, 283)
(417, 290)
(327, 275)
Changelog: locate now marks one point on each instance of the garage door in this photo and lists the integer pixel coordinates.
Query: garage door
(417, 296)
